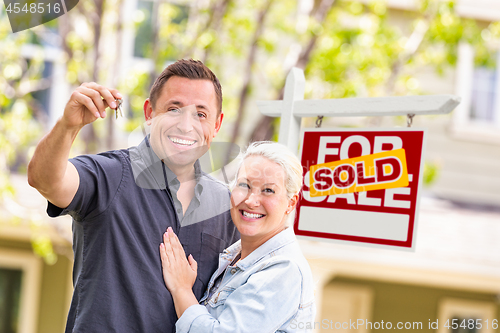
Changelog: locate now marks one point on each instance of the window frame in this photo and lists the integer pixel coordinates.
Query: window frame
(361, 296)
(463, 126)
(31, 268)
(449, 307)
(59, 86)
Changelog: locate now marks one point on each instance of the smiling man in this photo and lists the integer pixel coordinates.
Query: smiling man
(183, 124)
(122, 201)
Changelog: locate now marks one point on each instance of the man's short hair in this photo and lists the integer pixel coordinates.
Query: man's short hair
(190, 69)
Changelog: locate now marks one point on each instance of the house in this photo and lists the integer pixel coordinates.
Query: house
(453, 273)
(451, 281)
(35, 294)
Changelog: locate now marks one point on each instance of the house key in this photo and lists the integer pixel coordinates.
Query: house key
(119, 103)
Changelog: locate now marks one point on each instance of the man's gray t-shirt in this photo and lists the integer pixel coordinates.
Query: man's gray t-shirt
(121, 210)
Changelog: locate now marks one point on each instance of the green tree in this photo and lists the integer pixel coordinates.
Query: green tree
(357, 50)
(22, 120)
(19, 78)
(347, 49)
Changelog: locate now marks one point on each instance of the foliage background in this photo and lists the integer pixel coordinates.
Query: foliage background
(347, 49)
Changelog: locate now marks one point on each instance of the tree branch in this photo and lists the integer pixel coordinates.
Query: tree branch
(248, 70)
(264, 129)
(217, 12)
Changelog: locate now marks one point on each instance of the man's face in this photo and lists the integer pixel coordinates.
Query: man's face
(184, 120)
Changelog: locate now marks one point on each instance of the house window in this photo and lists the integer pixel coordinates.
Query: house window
(144, 34)
(10, 291)
(478, 114)
(49, 100)
(462, 325)
(20, 281)
(42, 97)
(466, 316)
(483, 99)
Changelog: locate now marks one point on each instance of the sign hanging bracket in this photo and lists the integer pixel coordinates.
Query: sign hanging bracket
(409, 119)
(319, 121)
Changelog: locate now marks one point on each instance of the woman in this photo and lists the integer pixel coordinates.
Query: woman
(263, 283)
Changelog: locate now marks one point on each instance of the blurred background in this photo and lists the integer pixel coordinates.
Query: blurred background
(347, 49)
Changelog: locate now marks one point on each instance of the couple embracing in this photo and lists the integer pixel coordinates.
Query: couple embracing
(159, 245)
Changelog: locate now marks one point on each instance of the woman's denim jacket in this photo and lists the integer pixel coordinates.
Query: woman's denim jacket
(271, 290)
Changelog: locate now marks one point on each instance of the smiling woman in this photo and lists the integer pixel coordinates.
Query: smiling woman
(265, 192)
(263, 282)
(259, 201)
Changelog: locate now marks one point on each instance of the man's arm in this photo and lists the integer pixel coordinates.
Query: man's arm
(49, 170)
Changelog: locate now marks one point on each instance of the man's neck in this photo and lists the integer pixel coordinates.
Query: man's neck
(186, 177)
(183, 173)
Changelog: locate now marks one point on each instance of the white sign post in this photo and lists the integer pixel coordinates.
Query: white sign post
(343, 200)
(293, 107)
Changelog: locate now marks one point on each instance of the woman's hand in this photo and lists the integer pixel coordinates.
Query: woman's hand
(179, 273)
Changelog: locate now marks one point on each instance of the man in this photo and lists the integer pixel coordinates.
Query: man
(123, 201)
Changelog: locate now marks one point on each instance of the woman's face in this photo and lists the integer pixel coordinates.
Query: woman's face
(259, 200)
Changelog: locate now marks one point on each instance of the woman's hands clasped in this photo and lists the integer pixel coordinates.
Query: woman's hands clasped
(179, 272)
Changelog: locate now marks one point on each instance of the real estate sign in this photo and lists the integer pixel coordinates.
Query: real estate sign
(360, 185)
